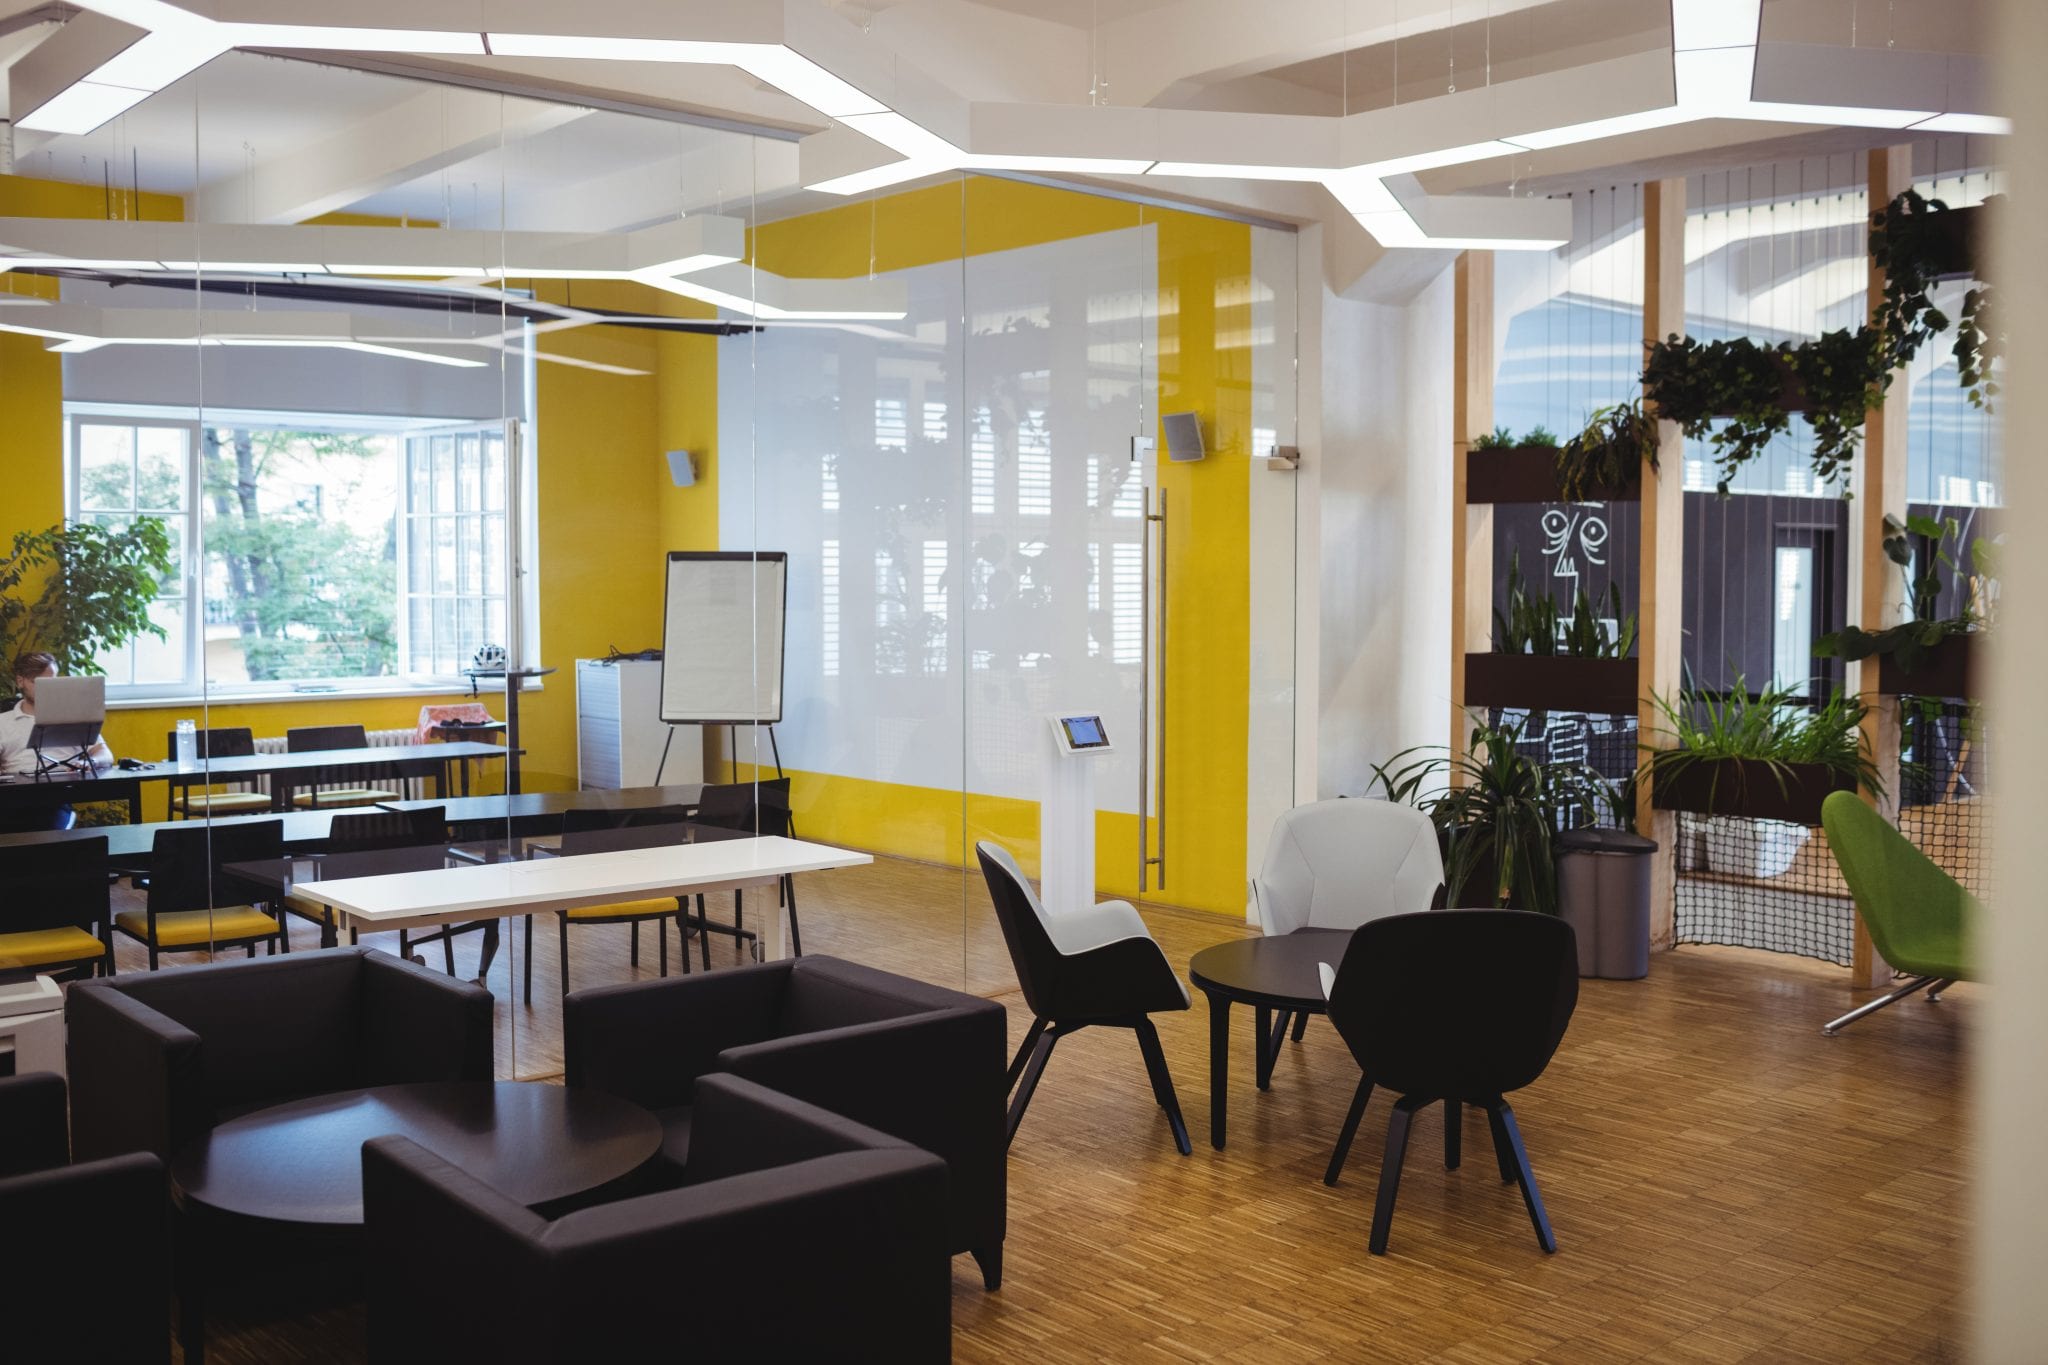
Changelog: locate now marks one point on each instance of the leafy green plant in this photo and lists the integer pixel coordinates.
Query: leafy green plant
(1608, 452)
(1539, 436)
(1500, 438)
(1752, 390)
(1497, 813)
(1907, 242)
(1534, 625)
(1922, 630)
(79, 589)
(1776, 727)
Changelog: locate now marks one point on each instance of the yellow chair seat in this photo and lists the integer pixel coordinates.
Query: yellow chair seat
(650, 909)
(196, 928)
(307, 907)
(342, 796)
(50, 947)
(221, 803)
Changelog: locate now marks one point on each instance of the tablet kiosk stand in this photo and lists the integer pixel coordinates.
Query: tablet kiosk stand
(513, 678)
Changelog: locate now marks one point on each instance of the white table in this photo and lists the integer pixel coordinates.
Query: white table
(458, 895)
(36, 1040)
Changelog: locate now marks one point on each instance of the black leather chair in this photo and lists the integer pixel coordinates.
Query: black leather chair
(157, 1060)
(919, 1062)
(1461, 1006)
(1083, 969)
(796, 1235)
(63, 1222)
(754, 808)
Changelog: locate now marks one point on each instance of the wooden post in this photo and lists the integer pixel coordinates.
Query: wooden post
(1659, 591)
(1471, 527)
(1873, 579)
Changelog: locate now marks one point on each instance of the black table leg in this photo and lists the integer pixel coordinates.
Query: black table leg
(1262, 1053)
(490, 953)
(1219, 1068)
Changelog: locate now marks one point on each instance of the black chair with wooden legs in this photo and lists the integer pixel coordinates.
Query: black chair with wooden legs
(755, 808)
(1462, 1006)
(195, 906)
(1082, 969)
(57, 908)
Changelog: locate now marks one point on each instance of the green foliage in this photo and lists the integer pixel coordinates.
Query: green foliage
(1909, 243)
(1608, 452)
(1540, 436)
(1533, 625)
(1497, 813)
(80, 589)
(1922, 630)
(1775, 727)
(1833, 380)
(1500, 438)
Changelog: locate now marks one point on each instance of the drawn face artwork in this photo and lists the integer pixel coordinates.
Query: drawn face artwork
(1571, 536)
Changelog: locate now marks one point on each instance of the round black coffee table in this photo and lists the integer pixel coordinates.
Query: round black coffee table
(1278, 972)
(303, 1162)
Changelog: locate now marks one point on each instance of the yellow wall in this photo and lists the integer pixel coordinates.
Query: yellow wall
(1205, 366)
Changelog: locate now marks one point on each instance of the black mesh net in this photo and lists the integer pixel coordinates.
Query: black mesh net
(1942, 808)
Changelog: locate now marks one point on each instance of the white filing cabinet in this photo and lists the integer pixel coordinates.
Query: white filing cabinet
(619, 734)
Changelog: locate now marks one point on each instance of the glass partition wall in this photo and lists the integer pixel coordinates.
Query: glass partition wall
(1009, 447)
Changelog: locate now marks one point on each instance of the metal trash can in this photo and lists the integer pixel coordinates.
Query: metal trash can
(1603, 892)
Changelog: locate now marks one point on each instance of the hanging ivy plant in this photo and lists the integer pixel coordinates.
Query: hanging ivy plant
(1753, 391)
(1915, 242)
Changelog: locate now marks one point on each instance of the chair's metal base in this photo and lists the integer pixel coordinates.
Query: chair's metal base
(1918, 983)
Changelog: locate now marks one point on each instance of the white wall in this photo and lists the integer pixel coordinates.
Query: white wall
(1385, 532)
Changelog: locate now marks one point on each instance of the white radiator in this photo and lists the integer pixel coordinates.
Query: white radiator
(379, 739)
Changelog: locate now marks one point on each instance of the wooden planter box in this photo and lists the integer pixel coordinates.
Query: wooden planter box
(1529, 474)
(1958, 238)
(1539, 682)
(1749, 787)
(1947, 670)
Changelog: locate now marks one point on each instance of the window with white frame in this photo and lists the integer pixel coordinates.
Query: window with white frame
(312, 551)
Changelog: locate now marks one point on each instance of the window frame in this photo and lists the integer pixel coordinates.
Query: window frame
(520, 598)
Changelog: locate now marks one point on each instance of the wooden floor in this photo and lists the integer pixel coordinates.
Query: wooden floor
(1726, 1183)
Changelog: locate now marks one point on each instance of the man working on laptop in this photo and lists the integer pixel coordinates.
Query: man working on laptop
(16, 757)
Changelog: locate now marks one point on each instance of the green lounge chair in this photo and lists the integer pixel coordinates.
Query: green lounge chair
(1917, 915)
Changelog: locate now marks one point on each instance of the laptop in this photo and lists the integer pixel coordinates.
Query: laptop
(71, 701)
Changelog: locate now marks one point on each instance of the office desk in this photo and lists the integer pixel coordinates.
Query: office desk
(70, 789)
(541, 812)
(455, 895)
(130, 845)
(287, 771)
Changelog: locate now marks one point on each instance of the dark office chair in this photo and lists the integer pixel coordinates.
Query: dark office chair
(215, 798)
(1096, 967)
(57, 907)
(383, 831)
(758, 808)
(917, 1061)
(847, 1223)
(1461, 1006)
(341, 787)
(192, 905)
(63, 1222)
(605, 831)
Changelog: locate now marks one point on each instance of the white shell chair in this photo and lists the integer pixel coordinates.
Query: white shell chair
(1336, 864)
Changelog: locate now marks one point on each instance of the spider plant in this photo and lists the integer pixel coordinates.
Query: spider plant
(1497, 813)
(1775, 727)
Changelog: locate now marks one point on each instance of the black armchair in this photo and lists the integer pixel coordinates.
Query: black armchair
(799, 1234)
(916, 1061)
(1461, 1006)
(63, 1221)
(1079, 970)
(156, 1060)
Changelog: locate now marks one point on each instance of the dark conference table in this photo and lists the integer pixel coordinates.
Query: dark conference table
(303, 830)
(1278, 972)
(541, 812)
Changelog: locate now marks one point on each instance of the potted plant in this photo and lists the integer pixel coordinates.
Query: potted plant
(1604, 462)
(1543, 660)
(1771, 756)
(1497, 812)
(1503, 467)
(1925, 655)
(78, 590)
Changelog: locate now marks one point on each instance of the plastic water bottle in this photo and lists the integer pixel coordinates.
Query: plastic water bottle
(188, 744)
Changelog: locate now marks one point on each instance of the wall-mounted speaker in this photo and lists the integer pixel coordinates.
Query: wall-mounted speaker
(1183, 435)
(682, 470)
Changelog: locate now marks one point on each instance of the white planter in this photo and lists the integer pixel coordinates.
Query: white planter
(1752, 848)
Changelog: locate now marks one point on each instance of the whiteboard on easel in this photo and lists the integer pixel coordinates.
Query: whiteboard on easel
(722, 637)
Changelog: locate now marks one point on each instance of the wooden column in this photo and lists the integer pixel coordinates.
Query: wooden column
(1873, 579)
(1471, 527)
(1659, 592)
